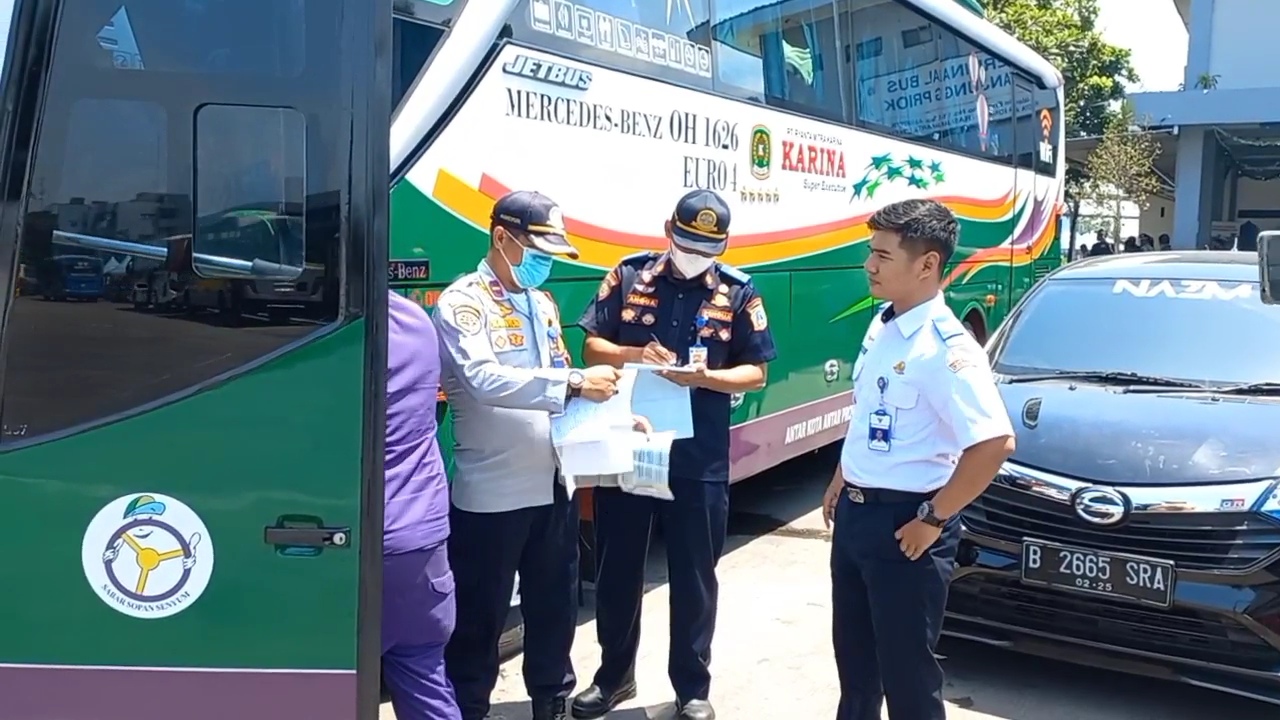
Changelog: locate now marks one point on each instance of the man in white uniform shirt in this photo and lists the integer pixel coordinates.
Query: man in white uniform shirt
(927, 435)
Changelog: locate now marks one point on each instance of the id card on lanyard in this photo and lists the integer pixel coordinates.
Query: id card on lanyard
(880, 422)
(698, 351)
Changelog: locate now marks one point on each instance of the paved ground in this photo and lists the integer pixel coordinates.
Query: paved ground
(772, 647)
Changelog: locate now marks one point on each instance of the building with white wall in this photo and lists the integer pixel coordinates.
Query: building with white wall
(1221, 131)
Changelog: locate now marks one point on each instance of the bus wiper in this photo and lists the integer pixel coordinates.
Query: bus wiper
(1128, 378)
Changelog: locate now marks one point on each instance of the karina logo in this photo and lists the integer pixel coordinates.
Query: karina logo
(548, 72)
(761, 152)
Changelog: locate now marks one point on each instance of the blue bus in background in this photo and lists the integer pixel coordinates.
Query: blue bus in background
(71, 277)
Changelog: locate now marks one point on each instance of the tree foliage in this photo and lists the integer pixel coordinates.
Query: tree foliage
(1065, 32)
(1121, 165)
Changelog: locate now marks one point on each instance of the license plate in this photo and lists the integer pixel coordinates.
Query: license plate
(1100, 573)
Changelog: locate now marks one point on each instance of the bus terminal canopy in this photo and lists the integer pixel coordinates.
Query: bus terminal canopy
(1078, 150)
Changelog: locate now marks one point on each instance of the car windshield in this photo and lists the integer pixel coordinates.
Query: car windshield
(1202, 331)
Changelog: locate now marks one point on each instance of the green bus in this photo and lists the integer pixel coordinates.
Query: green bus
(220, 482)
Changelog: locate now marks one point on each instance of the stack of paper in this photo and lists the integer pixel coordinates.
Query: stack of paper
(597, 444)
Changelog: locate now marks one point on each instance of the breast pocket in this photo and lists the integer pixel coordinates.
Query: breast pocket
(912, 417)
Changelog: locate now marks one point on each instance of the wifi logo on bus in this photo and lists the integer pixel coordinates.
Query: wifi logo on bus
(1046, 130)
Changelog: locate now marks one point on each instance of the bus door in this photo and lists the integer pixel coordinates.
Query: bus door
(195, 508)
(1026, 137)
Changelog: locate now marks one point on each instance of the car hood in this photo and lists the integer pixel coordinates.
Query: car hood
(1098, 434)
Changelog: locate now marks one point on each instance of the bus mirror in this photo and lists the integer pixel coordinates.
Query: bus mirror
(1269, 266)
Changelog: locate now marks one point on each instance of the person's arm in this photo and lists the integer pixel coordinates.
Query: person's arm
(970, 402)
(465, 349)
(601, 321)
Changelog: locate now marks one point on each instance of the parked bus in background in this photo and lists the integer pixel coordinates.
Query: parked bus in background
(246, 574)
(71, 277)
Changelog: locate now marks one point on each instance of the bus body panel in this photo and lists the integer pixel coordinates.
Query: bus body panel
(201, 502)
(616, 149)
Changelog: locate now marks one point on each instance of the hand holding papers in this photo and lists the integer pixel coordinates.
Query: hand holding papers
(596, 440)
(584, 432)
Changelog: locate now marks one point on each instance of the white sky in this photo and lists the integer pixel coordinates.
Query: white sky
(1154, 33)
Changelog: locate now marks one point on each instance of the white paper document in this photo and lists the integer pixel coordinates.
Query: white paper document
(645, 367)
(587, 421)
(665, 404)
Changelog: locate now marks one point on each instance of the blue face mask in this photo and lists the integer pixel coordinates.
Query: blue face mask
(532, 271)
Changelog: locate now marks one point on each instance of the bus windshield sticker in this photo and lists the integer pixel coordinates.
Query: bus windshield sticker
(1185, 289)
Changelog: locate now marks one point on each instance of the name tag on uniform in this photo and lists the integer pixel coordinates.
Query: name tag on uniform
(880, 431)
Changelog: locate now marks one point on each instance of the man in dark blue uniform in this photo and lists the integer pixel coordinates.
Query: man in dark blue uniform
(678, 307)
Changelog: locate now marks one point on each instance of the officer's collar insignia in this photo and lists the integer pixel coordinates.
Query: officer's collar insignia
(900, 367)
(709, 278)
(706, 221)
(496, 291)
(661, 264)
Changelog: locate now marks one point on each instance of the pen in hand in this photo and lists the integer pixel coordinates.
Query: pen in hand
(656, 354)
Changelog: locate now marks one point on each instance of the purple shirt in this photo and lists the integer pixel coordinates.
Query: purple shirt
(417, 491)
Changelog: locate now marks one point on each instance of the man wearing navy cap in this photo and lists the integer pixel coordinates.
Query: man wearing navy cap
(506, 371)
(680, 307)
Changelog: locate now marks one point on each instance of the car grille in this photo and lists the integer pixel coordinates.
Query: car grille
(1187, 634)
(1192, 540)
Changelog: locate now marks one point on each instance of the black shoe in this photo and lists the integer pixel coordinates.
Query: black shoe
(594, 702)
(549, 709)
(697, 710)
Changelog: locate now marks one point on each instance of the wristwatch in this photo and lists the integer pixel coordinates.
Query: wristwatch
(576, 379)
(924, 514)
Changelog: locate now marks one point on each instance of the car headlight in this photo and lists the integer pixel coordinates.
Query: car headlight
(1271, 502)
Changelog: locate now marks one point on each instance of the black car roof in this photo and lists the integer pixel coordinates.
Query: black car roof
(1175, 265)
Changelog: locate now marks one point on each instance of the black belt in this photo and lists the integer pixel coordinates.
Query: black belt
(882, 495)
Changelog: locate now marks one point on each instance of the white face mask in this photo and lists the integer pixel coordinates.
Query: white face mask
(688, 264)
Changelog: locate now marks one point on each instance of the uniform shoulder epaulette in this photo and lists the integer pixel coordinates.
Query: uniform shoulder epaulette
(948, 328)
(740, 277)
(639, 259)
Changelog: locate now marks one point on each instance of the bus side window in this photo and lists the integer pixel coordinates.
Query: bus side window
(784, 57)
(113, 177)
(250, 177)
(412, 43)
(921, 82)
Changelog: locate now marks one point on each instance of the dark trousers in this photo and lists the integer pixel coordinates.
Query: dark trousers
(418, 613)
(694, 524)
(486, 551)
(887, 610)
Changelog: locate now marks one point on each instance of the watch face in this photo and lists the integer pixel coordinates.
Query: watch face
(925, 510)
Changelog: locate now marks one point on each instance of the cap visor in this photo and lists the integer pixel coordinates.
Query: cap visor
(697, 244)
(553, 245)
